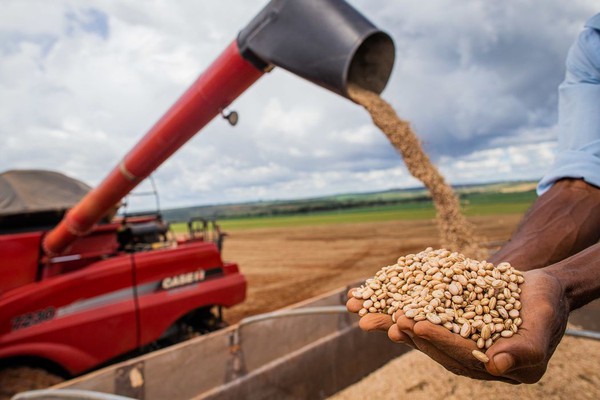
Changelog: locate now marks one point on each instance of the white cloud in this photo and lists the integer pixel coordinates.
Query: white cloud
(80, 84)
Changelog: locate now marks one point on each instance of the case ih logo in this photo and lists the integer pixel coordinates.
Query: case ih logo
(183, 279)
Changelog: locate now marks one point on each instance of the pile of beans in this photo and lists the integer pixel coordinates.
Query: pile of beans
(471, 298)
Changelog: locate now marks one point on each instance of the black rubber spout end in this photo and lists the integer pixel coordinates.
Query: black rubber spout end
(327, 42)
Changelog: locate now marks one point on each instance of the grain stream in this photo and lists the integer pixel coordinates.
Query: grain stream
(456, 232)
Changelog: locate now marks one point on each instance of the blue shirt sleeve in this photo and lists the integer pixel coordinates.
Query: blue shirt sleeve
(579, 112)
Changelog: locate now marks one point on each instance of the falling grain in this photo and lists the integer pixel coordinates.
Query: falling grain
(455, 231)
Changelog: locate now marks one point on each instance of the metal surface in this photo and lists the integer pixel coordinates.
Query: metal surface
(277, 357)
(129, 380)
(62, 394)
(327, 42)
(293, 312)
(282, 314)
(583, 333)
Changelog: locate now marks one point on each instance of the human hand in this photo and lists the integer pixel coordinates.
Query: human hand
(402, 330)
(374, 321)
(522, 358)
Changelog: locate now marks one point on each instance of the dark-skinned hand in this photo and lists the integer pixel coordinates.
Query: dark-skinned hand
(522, 358)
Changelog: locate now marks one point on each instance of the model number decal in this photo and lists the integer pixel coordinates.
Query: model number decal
(182, 279)
(33, 318)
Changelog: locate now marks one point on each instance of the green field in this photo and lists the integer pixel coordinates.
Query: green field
(474, 204)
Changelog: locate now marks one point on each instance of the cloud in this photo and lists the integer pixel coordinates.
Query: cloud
(81, 83)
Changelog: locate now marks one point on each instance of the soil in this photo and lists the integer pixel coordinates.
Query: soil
(572, 375)
(14, 380)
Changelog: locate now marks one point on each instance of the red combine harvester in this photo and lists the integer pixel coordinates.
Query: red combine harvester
(123, 286)
(77, 292)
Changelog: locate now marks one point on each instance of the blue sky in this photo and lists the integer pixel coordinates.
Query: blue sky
(80, 83)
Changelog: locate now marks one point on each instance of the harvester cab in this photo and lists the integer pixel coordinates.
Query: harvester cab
(76, 294)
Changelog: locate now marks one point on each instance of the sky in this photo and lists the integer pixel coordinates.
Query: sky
(82, 82)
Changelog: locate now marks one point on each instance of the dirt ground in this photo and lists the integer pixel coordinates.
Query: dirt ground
(572, 375)
(20, 379)
(286, 265)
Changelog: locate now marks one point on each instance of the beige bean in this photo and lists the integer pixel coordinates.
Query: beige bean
(368, 293)
(481, 343)
(486, 333)
(480, 356)
(469, 315)
(465, 330)
(419, 317)
(433, 318)
(506, 333)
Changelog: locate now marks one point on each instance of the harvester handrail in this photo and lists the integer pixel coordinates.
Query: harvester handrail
(583, 333)
(294, 312)
(235, 339)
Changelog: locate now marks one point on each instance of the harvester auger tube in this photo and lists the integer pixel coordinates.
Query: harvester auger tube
(325, 41)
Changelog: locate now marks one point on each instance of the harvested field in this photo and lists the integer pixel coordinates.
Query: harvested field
(287, 265)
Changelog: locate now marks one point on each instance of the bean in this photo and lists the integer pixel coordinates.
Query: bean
(480, 356)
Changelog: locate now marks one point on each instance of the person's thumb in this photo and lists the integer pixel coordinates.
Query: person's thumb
(500, 364)
(514, 353)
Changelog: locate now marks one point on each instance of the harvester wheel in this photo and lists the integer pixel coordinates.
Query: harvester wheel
(20, 379)
(200, 322)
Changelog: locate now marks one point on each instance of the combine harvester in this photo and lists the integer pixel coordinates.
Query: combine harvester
(83, 291)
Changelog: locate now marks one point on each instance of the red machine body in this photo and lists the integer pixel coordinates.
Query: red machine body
(99, 301)
(77, 295)
(96, 302)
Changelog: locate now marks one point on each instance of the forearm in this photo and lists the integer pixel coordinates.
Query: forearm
(579, 276)
(562, 222)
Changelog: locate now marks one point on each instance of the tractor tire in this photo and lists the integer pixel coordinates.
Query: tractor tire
(14, 380)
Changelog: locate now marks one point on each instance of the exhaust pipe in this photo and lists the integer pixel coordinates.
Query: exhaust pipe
(325, 41)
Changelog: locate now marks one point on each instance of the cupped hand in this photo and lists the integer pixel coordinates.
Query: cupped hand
(375, 321)
(523, 358)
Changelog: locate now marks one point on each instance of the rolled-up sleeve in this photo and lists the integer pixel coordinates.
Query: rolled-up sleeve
(579, 113)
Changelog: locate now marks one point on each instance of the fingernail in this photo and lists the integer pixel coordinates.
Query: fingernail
(504, 362)
(408, 333)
